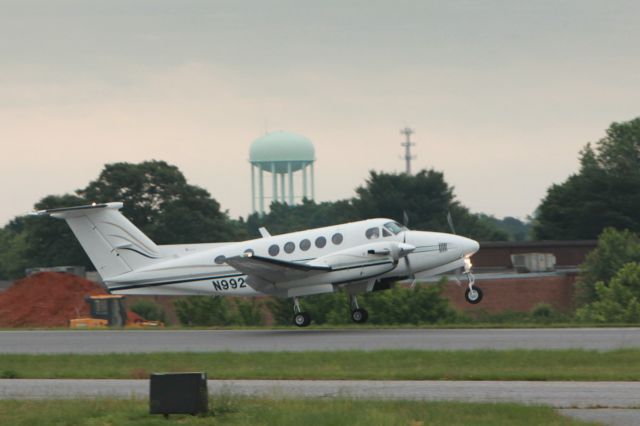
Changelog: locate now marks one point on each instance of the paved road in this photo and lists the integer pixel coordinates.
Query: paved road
(606, 416)
(556, 394)
(123, 341)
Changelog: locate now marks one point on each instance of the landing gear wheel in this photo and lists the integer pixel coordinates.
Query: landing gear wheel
(359, 315)
(474, 295)
(302, 319)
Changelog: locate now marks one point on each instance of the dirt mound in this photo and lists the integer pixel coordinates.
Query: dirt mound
(46, 299)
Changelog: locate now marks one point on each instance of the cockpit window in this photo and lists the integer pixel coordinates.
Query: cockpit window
(385, 233)
(394, 227)
(372, 233)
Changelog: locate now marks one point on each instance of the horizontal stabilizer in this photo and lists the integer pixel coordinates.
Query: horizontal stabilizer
(65, 212)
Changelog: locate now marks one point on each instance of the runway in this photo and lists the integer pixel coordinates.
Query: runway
(137, 341)
(555, 394)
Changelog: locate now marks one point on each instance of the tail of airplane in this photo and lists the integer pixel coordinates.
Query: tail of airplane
(112, 242)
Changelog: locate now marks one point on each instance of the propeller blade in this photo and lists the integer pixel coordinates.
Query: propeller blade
(405, 219)
(450, 221)
(411, 273)
(458, 275)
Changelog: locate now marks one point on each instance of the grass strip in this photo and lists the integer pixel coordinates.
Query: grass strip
(243, 411)
(573, 364)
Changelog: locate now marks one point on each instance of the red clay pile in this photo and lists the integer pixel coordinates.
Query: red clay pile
(46, 299)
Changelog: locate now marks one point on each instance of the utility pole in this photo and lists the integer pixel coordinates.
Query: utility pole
(407, 144)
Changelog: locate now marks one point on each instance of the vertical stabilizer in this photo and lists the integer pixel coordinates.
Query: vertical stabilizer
(112, 242)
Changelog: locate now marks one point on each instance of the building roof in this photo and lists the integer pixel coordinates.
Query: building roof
(537, 244)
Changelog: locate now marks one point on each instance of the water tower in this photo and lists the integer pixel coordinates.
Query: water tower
(281, 154)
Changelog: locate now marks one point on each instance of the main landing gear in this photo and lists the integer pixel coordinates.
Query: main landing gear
(303, 319)
(358, 314)
(300, 319)
(473, 294)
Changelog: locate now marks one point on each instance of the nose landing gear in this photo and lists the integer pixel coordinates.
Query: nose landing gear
(473, 294)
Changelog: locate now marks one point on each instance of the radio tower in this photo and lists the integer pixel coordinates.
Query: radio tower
(407, 144)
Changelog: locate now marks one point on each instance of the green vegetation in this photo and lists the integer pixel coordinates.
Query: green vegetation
(421, 306)
(148, 310)
(375, 365)
(227, 410)
(604, 193)
(616, 301)
(615, 249)
(217, 310)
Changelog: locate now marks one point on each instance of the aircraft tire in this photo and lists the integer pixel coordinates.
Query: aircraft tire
(359, 315)
(301, 319)
(473, 300)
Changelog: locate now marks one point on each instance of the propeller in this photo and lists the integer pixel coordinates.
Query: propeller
(450, 222)
(458, 272)
(412, 275)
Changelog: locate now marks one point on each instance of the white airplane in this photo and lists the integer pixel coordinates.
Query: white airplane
(357, 257)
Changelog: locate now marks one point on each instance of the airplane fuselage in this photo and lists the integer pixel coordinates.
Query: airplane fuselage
(355, 253)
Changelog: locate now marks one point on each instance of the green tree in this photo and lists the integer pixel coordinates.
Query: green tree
(283, 218)
(615, 248)
(617, 301)
(12, 248)
(157, 199)
(515, 229)
(604, 193)
(44, 241)
(426, 198)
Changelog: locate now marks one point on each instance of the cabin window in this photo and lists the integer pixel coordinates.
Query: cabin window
(289, 247)
(305, 245)
(274, 250)
(372, 233)
(337, 238)
(321, 242)
(220, 259)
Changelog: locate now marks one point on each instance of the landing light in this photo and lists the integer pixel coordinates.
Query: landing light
(467, 263)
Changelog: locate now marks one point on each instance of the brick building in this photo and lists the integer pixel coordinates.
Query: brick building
(507, 290)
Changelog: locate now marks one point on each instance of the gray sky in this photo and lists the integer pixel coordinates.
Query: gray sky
(502, 94)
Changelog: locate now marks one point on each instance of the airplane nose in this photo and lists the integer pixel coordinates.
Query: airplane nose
(471, 246)
(468, 246)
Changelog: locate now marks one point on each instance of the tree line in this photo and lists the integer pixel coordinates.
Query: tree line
(158, 199)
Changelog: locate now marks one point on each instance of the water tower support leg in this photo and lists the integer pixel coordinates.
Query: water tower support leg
(274, 193)
(261, 189)
(253, 189)
(283, 190)
(290, 183)
(313, 184)
(304, 181)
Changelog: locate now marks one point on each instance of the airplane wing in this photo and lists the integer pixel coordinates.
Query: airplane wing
(273, 270)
